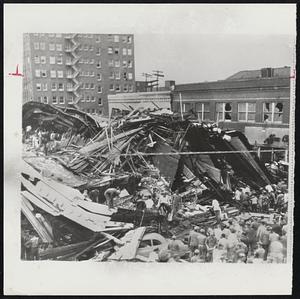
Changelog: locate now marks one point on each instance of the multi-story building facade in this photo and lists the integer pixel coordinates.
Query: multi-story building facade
(256, 102)
(77, 69)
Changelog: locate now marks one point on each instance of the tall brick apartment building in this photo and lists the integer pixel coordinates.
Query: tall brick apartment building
(77, 69)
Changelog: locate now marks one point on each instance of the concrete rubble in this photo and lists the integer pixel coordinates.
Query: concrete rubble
(71, 159)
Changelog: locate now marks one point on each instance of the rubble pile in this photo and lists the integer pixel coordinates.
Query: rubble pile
(165, 170)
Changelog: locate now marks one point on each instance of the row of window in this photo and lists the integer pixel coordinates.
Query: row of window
(88, 98)
(85, 47)
(52, 59)
(53, 74)
(93, 111)
(272, 112)
(60, 74)
(111, 38)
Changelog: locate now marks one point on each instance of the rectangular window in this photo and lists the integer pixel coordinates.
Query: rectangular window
(98, 65)
(99, 89)
(53, 74)
(202, 110)
(125, 88)
(187, 107)
(45, 86)
(92, 61)
(273, 112)
(60, 74)
(124, 39)
(98, 51)
(45, 99)
(117, 75)
(91, 48)
(110, 62)
(86, 47)
(52, 47)
(224, 111)
(38, 86)
(92, 74)
(99, 101)
(38, 73)
(117, 50)
(118, 88)
(92, 86)
(110, 38)
(53, 86)
(61, 100)
(36, 59)
(93, 99)
(52, 59)
(98, 39)
(124, 51)
(117, 63)
(87, 86)
(87, 99)
(58, 47)
(42, 46)
(110, 50)
(129, 63)
(54, 99)
(43, 59)
(125, 76)
(69, 86)
(60, 86)
(129, 52)
(130, 76)
(44, 73)
(87, 110)
(69, 60)
(246, 112)
(124, 63)
(131, 88)
(116, 38)
(111, 75)
(36, 46)
(129, 39)
(69, 74)
(99, 76)
(59, 60)
(70, 100)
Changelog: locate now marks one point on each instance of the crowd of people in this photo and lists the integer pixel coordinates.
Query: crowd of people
(238, 240)
(273, 197)
(48, 141)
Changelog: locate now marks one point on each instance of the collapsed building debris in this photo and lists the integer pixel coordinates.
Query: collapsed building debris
(150, 156)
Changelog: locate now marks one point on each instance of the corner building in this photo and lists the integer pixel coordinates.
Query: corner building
(77, 69)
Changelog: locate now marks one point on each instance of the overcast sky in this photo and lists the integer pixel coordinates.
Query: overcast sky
(190, 43)
(196, 58)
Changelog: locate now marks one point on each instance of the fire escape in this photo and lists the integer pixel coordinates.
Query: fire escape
(72, 63)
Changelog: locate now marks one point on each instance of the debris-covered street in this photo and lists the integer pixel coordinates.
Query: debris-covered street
(150, 186)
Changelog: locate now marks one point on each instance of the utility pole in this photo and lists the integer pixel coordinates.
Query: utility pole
(147, 75)
(158, 74)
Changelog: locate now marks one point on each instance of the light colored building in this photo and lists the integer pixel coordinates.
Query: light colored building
(77, 69)
(125, 102)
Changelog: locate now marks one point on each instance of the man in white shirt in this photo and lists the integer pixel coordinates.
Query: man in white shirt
(217, 210)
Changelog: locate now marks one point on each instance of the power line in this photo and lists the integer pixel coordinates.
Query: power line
(201, 153)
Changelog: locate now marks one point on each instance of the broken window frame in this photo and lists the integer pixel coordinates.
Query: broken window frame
(223, 112)
(246, 111)
(272, 112)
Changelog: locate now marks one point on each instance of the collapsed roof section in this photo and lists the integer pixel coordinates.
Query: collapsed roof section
(39, 115)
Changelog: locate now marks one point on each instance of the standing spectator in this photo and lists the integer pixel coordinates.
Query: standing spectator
(193, 239)
(33, 244)
(211, 243)
(177, 202)
(201, 243)
(196, 257)
(265, 241)
(254, 202)
(217, 210)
